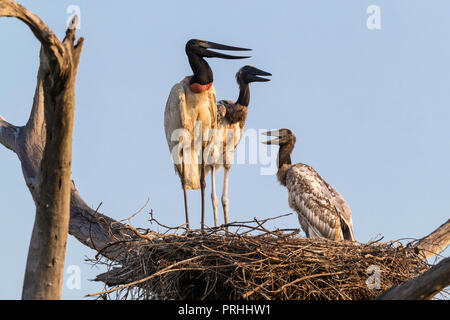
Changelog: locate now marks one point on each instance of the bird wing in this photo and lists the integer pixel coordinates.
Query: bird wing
(175, 118)
(344, 212)
(224, 122)
(213, 107)
(173, 115)
(222, 107)
(322, 210)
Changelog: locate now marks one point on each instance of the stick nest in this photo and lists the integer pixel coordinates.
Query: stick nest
(255, 263)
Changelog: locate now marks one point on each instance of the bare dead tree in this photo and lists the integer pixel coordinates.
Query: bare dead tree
(36, 145)
(56, 82)
(54, 90)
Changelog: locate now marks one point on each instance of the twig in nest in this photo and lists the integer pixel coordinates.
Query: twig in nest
(159, 273)
(137, 212)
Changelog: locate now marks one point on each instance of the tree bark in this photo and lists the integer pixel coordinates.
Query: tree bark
(45, 264)
(435, 242)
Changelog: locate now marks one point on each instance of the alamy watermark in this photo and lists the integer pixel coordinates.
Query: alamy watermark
(374, 20)
(73, 281)
(374, 280)
(74, 20)
(219, 148)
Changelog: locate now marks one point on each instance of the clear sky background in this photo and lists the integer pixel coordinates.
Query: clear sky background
(370, 109)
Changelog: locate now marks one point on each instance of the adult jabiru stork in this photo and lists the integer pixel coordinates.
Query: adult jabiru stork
(192, 103)
(231, 117)
(321, 210)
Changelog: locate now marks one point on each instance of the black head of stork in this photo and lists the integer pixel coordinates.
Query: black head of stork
(249, 74)
(286, 139)
(244, 77)
(197, 50)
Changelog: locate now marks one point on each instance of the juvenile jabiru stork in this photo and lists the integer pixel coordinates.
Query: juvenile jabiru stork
(321, 210)
(231, 117)
(191, 102)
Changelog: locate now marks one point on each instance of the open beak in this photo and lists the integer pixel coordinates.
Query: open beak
(254, 73)
(217, 46)
(274, 133)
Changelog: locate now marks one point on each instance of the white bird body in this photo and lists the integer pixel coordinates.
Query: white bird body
(228, 134)
(322, 212)
(184, 109)
(231, 117)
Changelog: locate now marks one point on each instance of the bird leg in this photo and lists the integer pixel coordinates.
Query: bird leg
(203, 186)
(225, 194)
(183, 184)
(214, 200)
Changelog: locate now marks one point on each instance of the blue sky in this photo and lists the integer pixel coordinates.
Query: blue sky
(370, 109)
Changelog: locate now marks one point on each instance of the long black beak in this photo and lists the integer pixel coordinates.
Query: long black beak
(218, 46)
(274, 133)
(254, 73)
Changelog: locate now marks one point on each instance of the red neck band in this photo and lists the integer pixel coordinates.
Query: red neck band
(199, 88)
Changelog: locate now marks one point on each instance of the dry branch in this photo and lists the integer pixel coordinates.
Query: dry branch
(435, 242)
(8, 134)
